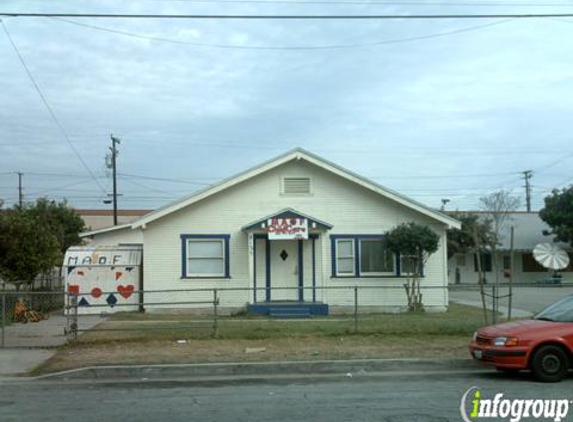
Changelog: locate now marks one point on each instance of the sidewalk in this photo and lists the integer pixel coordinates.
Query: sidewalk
(20, 361)
(504, 310)
(46, 333)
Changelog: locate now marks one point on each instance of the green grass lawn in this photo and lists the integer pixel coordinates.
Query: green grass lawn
(132, 338)
(459, 320)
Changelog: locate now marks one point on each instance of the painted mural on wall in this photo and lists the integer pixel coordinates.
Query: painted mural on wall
(105, 279)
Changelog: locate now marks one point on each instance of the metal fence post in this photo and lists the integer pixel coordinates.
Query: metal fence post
(67, 311)
(355, 309)
(215, 304)
(74, 323)
(494, 304)
(3, 344)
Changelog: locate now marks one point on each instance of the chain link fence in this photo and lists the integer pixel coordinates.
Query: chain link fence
(31, 318)
(51, 318)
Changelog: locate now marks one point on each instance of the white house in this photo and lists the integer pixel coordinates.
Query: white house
(294, 230)
(528, 232)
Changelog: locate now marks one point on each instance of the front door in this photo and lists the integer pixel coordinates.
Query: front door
(284, 269)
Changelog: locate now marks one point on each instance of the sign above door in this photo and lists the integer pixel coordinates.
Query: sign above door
(287, 228)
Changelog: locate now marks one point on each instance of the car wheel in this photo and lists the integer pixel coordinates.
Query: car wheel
(549, 364)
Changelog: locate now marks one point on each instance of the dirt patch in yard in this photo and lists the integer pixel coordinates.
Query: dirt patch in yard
(267, 350)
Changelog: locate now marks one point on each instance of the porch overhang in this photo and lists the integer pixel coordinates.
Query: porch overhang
(313, 223)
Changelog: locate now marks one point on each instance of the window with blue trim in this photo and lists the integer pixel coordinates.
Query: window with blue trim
(205, 256)
(361, 256)
(375, 259)
(345, 257)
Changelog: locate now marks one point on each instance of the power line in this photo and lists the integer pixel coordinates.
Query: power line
(290, 17)
(444, 176)
(141, 185)
(162, 179)
(374, 3)
(253, 47)
(66, 175)
(59, 188)
(47, 105)
(561, 159)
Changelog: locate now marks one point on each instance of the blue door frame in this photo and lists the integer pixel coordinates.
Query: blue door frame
(268, 285)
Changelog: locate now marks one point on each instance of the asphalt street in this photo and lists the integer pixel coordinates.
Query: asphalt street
(395, 398)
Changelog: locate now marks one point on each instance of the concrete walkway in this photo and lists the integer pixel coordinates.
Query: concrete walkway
(20, 361)
(504, 310)
(46, 333)
(25, 344)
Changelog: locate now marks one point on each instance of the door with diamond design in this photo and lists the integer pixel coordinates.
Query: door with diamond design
(284, 270)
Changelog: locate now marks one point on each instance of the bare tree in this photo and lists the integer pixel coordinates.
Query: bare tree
(498, 207)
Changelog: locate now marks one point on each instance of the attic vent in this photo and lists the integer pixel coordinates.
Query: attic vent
(296, 185)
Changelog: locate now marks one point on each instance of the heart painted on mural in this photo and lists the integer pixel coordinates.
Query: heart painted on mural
(74, 289)
(125, 291)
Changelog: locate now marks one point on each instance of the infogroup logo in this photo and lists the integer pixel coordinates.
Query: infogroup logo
(475, 407)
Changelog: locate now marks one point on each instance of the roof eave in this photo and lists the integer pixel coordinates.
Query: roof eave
(105, 230)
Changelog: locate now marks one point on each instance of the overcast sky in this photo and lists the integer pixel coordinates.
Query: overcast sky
(418, 106)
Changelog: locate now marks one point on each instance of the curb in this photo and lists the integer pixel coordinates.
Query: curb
(264, 369)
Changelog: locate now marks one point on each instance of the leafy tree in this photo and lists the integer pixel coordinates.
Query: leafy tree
(27, 247)
(558, 214)
(462, 241)
(61, 219)
(415, 243)
(34, 238)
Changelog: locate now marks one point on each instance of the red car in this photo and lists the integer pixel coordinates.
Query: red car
(543, 344)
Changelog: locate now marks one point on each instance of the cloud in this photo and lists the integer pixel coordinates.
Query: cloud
(488, 101)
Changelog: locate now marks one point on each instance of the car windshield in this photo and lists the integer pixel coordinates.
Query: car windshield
(561, 311)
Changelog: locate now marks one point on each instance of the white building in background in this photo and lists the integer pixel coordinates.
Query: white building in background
(281, 232)
(528, 232)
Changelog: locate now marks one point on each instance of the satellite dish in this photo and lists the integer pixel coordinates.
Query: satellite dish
(551, 256)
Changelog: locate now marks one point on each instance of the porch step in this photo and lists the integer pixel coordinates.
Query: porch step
(290, 312)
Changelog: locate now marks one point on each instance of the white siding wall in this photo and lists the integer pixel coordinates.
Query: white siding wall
(350, 208)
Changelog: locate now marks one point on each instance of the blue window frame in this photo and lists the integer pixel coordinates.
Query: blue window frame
(205, 255)
(362, 256)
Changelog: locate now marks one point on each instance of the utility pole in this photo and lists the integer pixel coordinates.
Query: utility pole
(527, 175)
(444, 203)
(20, 194)
(114, 142)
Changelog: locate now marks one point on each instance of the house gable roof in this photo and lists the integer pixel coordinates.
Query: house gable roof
(295, 154)
(105, 230)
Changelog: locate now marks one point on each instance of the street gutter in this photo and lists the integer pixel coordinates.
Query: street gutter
(266, 370)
